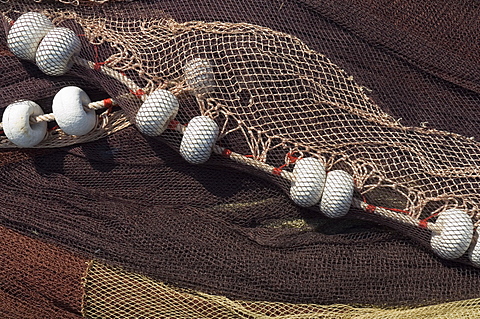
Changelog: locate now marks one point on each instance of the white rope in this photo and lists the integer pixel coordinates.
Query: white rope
(98, 105)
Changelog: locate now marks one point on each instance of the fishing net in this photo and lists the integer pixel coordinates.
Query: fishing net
(39, 280)
(385, 93)
(77, 287)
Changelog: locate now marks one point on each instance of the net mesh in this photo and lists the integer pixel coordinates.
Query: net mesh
(257, 102)
(76, 287)
(107, 287)
(39, 280)
(277, 86)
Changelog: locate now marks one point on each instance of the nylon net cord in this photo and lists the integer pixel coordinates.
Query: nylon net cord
(106, 289)
(369, 129)
(94, 289)
(275, 101)
(255, 147)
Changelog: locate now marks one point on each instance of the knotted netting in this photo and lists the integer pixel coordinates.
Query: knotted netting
(359, 88)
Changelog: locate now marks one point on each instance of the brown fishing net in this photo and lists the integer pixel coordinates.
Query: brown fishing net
(39, 280)
(75, 287)
(385, 91)
(262, 112)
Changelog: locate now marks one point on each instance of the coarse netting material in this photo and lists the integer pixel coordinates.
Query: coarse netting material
(57, 284)
(39, 280)
(106, 288)
(281, 81)
(273, 95)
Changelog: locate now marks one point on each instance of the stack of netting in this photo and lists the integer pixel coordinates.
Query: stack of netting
(115, 218)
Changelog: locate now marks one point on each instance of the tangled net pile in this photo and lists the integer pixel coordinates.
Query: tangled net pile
(359, 96)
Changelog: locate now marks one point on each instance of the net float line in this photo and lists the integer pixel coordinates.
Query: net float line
(56, 49)
(289, 176)
(122, 78)
(50, 117)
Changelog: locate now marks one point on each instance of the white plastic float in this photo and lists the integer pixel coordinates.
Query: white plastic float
(452, 234)
(69, 109)
(337, 195)
(25, 124)
(17, 126)
(199, 75)
(198, 139)
(33, 37)
(156, 112)
(26, 33)
(55, 52)
(309, 181)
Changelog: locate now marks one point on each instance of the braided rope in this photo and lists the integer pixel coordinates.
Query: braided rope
(107, 125)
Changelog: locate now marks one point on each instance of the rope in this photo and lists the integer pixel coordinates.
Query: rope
(122, 78)
(107, 103)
